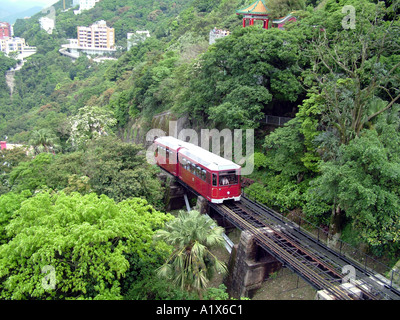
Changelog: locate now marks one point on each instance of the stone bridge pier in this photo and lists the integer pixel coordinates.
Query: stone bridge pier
(249, 265)
(174, 195)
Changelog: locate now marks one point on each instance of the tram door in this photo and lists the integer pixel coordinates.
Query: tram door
(214, 189)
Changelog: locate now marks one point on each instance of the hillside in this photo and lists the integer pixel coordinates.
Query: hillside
(336, 163)
(48, 70)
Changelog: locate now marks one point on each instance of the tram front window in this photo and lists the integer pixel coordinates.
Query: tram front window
(228, 178)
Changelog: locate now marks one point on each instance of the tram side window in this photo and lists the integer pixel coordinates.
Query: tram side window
(161, 151)
(214, 179)
(183, 163)
(198, 172)
(201, 173)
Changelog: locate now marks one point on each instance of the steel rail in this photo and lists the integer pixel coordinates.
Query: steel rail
(309, 274)
(313, 261)
(268, 244)
(295, 244)
(287, 233)
(321, 251)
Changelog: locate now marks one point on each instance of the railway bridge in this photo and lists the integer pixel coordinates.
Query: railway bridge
(334, 275)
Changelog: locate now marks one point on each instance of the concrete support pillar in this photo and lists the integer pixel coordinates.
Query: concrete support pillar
(174, 195)
(186, 202)
(248, 267)
(202, 205)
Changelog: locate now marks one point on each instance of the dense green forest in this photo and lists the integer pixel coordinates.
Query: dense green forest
(88, 204)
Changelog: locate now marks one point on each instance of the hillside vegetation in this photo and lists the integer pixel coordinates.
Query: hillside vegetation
(336, 163)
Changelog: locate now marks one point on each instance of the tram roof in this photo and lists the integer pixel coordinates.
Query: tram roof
(206, 158)
(171, 142)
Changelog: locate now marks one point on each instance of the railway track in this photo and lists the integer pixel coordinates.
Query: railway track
(368, 281)
(268, 232)
(304, 255)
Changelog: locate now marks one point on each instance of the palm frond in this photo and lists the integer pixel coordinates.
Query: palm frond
(192, 265)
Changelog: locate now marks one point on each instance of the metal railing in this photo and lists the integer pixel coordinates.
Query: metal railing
(367, 262)
(275, 120)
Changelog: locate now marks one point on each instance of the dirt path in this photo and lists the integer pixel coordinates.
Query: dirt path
(286, 285)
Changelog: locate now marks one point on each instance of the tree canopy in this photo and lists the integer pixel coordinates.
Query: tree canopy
(244, 75)
(333, 161)
(87, 240)
(107, 166)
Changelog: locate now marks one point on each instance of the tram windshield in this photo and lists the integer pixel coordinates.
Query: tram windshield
(228, 178)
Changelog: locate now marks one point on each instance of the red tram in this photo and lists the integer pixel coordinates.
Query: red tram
(215, 178)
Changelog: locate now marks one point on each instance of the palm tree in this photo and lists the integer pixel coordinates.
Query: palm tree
(44, 140)
(191, 264)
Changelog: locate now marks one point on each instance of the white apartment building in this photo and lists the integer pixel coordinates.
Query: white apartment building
(135, 38)
(8, 44)
(47, 24)
(85, 5)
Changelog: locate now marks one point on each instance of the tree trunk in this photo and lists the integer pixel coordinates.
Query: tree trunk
(300, 177)
(335, 226)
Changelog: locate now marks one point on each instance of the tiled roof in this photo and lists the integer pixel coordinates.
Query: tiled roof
(257, 7)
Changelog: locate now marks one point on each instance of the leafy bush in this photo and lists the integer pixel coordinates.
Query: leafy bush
(87, 240)
(260, 160)
(156, 288)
